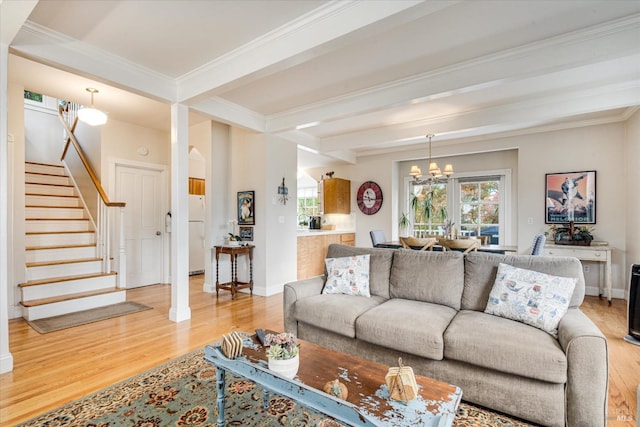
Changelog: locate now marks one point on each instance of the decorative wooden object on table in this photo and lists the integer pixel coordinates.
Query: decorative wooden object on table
(234, 284)
(232, 345)
(401, 382)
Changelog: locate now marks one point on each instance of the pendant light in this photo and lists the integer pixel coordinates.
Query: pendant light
(435, 174)
(91, 115)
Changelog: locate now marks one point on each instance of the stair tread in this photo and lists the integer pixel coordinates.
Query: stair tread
(35, 248)
(51, 195)
(67, 297)
(64, 279)
(44, 164)
(54, 207)
(61, 262)
(58, 232)
(44, 174)
(51, 185)
(57, 219)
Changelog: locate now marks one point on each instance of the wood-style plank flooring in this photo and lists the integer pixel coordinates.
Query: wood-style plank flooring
(53, 369)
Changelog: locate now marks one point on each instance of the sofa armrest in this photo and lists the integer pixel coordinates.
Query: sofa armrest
(293, 292)
(587, 369)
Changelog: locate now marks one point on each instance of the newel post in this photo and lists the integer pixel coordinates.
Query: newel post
(122, 255)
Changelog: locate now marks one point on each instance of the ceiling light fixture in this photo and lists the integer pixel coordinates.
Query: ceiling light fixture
(91, 115)
(435, 174)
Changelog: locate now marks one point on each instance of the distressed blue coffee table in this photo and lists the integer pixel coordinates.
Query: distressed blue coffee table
(368, 402)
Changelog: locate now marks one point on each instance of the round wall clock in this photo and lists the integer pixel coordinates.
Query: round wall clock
(369, 198)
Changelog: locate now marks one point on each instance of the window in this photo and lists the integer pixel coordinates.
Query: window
(32, 96)
(479, 208)
(476, 204)
(429, 208)
(307, 205)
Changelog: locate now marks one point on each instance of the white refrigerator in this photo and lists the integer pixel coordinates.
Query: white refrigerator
(196, 234)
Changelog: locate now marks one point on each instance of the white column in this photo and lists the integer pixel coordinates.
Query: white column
(6, 359)
(179, 213)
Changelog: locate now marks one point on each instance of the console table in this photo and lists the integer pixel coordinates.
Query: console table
(234, 284)
(600, 254)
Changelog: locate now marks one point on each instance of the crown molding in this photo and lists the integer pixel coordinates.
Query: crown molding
(42, 44)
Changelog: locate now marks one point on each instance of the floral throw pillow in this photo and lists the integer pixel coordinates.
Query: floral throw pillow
(347, 275)
(530, 297)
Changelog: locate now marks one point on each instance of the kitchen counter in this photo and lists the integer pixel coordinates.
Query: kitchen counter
(304, 233)
(312, 248)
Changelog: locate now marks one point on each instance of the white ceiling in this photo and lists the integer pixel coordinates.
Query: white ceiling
(343, 78)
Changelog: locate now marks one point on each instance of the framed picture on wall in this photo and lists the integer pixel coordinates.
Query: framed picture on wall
(246, 208)
(570, 196)
(246, 234)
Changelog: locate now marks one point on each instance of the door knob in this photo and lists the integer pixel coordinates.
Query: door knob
(158, 233)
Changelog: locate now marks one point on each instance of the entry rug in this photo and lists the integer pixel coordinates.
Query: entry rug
(64, 321)
(182, 392)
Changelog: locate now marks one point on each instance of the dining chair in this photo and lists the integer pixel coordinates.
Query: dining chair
(377, 237)
(538, 244)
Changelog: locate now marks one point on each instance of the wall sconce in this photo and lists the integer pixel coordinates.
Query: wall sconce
(283, 193)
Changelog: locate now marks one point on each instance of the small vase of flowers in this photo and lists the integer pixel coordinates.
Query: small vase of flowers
(283, 353)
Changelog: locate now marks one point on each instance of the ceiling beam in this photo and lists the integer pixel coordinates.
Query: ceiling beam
(616, 39)
(296, 41)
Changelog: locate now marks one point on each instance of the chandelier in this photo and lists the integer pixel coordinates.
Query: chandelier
(435, 174)
(91, 115)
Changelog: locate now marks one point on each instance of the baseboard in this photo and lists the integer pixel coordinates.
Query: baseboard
(615, 293)
(6, 363)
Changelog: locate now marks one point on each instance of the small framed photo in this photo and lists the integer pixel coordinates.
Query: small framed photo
(570, 197)
(246, 208)
(246, 234)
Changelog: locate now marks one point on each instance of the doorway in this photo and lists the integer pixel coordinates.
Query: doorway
(142, 188)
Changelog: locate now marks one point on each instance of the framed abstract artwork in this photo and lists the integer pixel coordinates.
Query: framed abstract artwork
(246, 208)
(570, 197)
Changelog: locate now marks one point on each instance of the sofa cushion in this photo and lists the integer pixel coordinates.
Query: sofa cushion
(347, 275)
(537, 299)
(379, 265)
(505, 346)
(334, 312)
(412, 327)
(436, 277)
(481, 268)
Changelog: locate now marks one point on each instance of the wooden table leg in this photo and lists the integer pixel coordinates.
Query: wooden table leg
(220, 386)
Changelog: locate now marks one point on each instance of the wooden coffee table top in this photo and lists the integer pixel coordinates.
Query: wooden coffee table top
(365, 381)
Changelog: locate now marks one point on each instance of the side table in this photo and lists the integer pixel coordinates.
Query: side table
(234, 284)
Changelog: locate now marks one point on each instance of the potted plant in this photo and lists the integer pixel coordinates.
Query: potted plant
(423, 207)
(405, 224)
(571, 234)
(283, 353)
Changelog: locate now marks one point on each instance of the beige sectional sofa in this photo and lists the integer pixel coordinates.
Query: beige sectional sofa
(428, 308)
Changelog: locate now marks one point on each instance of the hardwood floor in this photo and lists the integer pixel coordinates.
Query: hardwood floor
(53, 369)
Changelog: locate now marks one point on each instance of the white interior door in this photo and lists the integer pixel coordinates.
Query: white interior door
(141, 190)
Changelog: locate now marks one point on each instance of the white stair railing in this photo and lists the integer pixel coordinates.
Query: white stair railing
(93, 195)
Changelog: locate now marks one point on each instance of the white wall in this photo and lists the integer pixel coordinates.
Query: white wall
(632, 179)
(44, 137)
(258, 163)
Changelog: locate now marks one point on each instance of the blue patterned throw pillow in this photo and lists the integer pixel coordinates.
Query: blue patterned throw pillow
(347, 275)
(530, 297)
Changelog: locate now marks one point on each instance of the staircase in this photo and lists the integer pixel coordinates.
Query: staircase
(62, 271)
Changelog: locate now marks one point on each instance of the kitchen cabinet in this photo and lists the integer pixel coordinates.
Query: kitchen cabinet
(312, 251)
(334, 196)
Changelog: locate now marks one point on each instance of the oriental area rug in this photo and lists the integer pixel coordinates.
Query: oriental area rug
(182, 392)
